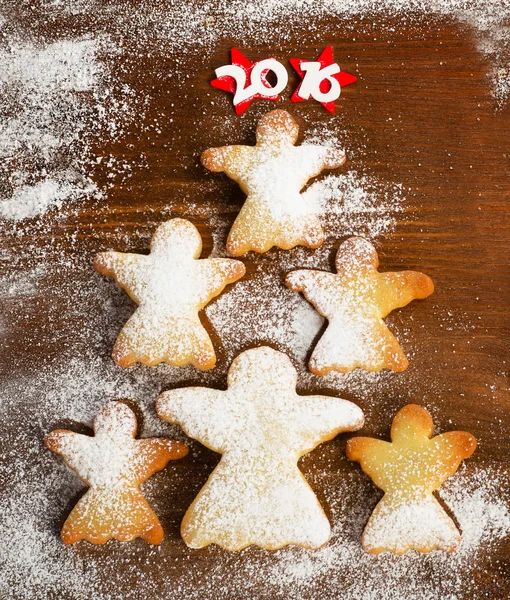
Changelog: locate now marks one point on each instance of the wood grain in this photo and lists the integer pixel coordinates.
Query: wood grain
(421, 114)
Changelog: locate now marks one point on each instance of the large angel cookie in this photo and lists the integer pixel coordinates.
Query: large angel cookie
(272, 174)
(355, 300)
(408, 470)
(113, 464)
(257, 494)
(170, 286)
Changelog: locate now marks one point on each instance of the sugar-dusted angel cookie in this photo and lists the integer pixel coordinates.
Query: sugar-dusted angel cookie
(272, 174)
(355, 300)
(408, 470)
(113, 464)
(257, 494)
(170, 286)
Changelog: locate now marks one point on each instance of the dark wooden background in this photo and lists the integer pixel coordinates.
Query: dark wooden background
(421, 114)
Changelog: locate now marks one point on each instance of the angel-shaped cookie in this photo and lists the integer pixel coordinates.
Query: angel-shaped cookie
(272, 174)
(257, 495)
(355, 300)
(113, 464)
(408, 470)
(170, 287)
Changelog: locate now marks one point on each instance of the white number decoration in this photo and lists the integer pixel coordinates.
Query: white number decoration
(259, 86)
(314, 76)
(322, 79)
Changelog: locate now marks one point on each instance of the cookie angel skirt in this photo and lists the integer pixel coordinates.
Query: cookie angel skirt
(153, 338)
(121, 513)
(269, 505)
(401, 525)
(353, 340)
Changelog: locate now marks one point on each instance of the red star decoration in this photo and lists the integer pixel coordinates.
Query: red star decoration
(228, 84)
(325, 60)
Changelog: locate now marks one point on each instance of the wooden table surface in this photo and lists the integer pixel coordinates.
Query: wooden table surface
(421, 115)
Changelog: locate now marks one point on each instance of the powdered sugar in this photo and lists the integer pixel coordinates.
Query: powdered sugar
(31, 200)
(46, 81)
(482, 513)
(64, 65)
(356, 204)
(58, 99)
(266, 312)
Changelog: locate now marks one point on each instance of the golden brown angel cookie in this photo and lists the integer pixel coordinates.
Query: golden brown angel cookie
(170, 286)
(355, 300)
(408, 470)
(257, 494)
(272, 174)
(113, 464)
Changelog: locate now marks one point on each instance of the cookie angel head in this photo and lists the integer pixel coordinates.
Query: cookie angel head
(177, 237)
(277, 128)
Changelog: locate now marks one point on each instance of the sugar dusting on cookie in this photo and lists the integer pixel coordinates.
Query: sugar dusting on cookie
(408, 469)
(272, 174)
(355, 300)
(170, 286)
(113, 464)
(256, 495)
